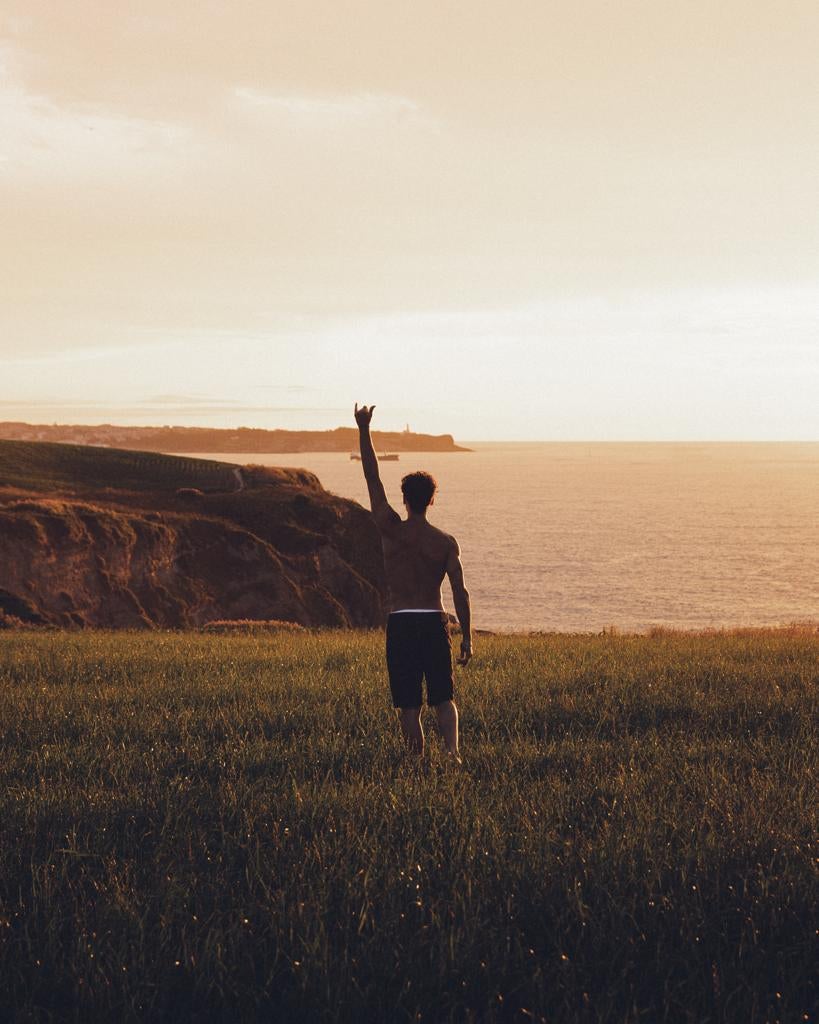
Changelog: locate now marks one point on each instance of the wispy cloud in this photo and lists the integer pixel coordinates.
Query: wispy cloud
(40, 136)
(159, 411)
(283, 387)
(350, 107)
(183, 400)
(37, 403)
(86, 354)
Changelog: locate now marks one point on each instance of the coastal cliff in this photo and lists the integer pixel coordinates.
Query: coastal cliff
(98, 537)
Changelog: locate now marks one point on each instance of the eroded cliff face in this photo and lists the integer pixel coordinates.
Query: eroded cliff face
(281, 549)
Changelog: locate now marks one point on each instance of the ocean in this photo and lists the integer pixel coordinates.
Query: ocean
(583, 537)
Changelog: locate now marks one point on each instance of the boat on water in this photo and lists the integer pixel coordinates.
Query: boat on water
(391, 457)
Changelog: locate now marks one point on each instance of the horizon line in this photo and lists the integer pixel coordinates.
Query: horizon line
(456, 440)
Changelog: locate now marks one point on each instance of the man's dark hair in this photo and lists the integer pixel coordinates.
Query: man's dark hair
(418, 489)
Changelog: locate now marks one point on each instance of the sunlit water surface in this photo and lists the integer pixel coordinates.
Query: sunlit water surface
(579, 537)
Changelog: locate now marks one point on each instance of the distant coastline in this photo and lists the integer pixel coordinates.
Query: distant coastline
(220, 440)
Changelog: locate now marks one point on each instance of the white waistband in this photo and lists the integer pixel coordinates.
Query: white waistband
(403, 611)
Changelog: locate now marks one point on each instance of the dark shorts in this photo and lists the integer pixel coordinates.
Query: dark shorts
(418, 646)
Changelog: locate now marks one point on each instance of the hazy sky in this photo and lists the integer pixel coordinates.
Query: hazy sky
(496, 219)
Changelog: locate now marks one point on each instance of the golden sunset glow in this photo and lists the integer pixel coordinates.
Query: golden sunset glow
(520, 220)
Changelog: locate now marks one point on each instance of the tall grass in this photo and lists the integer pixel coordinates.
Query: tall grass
(46, 466)
(226, 828)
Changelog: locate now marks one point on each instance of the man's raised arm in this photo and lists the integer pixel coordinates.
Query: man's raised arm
(369, 463)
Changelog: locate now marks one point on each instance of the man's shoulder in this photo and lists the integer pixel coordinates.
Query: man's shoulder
(444, 537)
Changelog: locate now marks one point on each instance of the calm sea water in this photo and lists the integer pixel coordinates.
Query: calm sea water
(580, 537)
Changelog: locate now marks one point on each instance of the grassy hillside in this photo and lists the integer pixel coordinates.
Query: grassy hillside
(224, 828)
(46, 466)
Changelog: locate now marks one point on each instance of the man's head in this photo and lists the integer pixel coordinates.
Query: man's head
(418, 489)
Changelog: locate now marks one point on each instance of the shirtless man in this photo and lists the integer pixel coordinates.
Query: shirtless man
(417, 556)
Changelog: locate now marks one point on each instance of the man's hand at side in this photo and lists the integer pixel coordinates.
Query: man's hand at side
(466, 652)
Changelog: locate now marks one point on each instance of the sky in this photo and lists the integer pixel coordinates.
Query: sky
(500, 220)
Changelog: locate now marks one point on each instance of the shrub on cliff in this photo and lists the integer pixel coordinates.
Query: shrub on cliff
(252, 626)
(10, 621)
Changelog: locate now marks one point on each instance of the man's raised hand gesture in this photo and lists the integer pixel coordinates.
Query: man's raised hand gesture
(363, 415)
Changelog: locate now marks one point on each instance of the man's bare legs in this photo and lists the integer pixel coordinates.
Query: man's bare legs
(410, 719)
(413, 733)
(447, 715)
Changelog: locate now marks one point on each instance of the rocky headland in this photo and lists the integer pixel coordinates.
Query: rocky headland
(112, 538)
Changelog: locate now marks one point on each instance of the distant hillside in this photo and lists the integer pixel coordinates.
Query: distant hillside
(106, 537)
(240, 440)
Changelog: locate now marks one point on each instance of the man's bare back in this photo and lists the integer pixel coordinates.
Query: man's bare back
(416, 555)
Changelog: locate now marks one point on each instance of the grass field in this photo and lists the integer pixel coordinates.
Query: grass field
(224, 828)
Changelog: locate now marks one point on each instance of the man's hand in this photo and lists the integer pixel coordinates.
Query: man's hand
(363, 415)
(466, 652)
